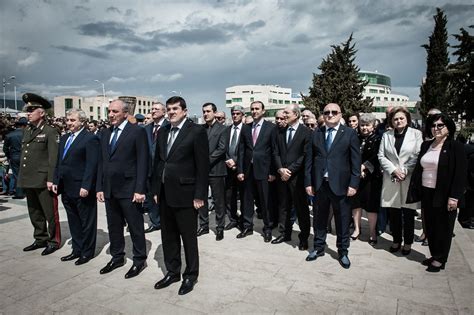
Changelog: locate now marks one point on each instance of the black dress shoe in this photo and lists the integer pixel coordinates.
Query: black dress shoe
(280, 239)
(186, 287)
(49, 250)
(373, 241)
(202, 231)
(135, 270)
(245, 233)
(303, 245)
(267, 237)
(220, 235)
(231, 225)
(406, 252)
(82, 260)
(393, 249)
(152, 228)
(167, 280)
(427, 262)
(111, 265)
(314, 254)
(69, 257)
(467, 225)
(344, 261)
(34, 246)
(432, 268)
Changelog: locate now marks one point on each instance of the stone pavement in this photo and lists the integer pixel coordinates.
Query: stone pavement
(237, 276)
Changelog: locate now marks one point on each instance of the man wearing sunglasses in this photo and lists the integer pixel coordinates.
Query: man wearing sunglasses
(333, 175)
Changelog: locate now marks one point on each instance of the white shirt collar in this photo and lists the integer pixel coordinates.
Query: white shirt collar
(122, 125)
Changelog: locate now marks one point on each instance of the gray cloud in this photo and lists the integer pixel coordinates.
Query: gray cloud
(83, 51)
(301, 39)
(81, 7)
(113, 10)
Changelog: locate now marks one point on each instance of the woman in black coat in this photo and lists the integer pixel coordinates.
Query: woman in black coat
(439, 181)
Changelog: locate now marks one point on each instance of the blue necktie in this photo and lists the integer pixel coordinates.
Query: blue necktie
(329, 139)
(113, 143)
(68, 144)
(290, 135)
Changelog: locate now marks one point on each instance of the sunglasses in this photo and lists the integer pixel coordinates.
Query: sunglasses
(331, 112)
(438, 126)
(310, 125)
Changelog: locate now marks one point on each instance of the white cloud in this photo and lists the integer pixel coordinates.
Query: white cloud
(121, 80)
(28, 61)
(166, 77)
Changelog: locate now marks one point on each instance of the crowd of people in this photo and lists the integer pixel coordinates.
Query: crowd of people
(175, 170)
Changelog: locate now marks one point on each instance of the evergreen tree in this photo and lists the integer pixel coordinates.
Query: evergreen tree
(338, 82)
(434, 91)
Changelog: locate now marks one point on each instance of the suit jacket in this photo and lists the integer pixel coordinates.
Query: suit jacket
(123, 171)
(450, 178)
(217, 149)
(227, 136)
(12, 144)
(260, 155)
(78, 169)
(149, 134)
(186, 167)
(394, 194)
(292, 155)
(342, 162)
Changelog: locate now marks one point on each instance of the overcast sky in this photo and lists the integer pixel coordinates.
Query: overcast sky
(198, 48)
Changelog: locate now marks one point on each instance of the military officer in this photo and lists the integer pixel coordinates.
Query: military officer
(38, 160)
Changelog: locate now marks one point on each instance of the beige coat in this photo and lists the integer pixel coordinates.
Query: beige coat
(394, 194)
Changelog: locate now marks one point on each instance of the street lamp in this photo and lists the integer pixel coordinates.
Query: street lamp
(103, 95)
(5, 82)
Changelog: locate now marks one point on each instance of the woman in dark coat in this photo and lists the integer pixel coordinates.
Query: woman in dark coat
(439, 181)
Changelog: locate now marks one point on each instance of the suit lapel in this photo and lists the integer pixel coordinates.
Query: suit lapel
(263, 128)
(124, 133)
(181, 135)
(74, 144)
(339, 134)
(295, 136)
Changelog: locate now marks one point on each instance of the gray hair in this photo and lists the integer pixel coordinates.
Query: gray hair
(366, 119)
(80, 113)
(125, 106)
(296, 109)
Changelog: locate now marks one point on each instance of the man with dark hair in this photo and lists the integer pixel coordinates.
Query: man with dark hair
(180, 186)
(217, 148)
(12, 149)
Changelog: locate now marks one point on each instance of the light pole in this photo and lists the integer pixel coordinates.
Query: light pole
(5, 82)
(103, 95)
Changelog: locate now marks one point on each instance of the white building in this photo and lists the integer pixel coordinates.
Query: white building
(96, 107)
(273, 97)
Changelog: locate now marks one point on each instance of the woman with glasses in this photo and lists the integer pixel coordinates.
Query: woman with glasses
(439, 181)
(397, 155)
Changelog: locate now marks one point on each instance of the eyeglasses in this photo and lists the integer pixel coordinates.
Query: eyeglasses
(331, 112)
(438, 126)
(310, 125)
(236, 113)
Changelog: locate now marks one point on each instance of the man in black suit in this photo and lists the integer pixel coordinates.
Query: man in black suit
(233, 187)
(255, 169)
(291, 149)
(333, 173)
(121, 183)
(12, 149)
(180, 186)
(75, 180)
(217, 148)
(152, 131)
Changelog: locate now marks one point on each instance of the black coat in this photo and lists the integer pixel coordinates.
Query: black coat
(217, 149)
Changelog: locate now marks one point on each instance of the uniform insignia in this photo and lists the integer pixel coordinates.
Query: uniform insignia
(41, 136)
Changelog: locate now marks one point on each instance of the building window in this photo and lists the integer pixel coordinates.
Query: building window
(79, 103)
(287, 102)
(91, 109)
(139, 102)
(228, 101)
(280, 101)
(245, 91)
(398, 100)
(237, 99)
(385, 98)
(68, 103)
(91, 117)
(252, 99)
(372, 91)
(274, 101)
(377, 98)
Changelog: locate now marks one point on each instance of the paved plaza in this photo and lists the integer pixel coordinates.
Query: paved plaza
(237, 276)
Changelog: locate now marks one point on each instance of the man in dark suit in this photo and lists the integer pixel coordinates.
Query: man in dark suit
(12, 149)
(121, 183)
(152, 131)
(291, 149)
(75, 180)
(333, 174)
(217, 172)
(255, 169)
(180, 186)
(233, 187)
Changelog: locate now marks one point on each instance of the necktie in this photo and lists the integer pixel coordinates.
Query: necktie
(329, 139)
(171, 139)
(254, 133)
(113, 143)
(155, 132)
(68, 144)
(233, 141)
(290, 135)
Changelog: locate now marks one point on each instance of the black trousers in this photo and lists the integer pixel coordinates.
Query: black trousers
(82, 219)
(179, 224)
(120, 210)
(342, 216)
(439, 223)
(466, 213)
(259, 188)
(292, 193)
(217, 184)
(402, 220)
(234, 190)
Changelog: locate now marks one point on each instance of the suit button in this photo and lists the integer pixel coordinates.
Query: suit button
(24, 165)
(24, 158)
(28, 145)
(26, 151)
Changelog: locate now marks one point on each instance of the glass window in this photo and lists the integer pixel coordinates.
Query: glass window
(274, 101)
(377, 98)
(68, 103)
(252, 99)
(139, 102)
(385, 98)
(228, 101)
(280, 101)
(91, 109)
(238, 99)
(287, 102)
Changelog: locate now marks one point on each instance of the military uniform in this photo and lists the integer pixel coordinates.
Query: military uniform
(38, 160)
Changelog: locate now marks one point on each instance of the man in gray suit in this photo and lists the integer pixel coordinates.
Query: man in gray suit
(217, 171)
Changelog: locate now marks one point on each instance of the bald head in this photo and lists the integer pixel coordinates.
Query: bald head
(332, 115)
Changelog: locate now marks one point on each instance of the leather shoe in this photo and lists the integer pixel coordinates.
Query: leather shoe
(280, 239)
(314, 254)
(135, 270)
(34, 246)
(231, 225)
(202, 231)
(82, 260)
(111, 265)
(152, 228)
(344, 261)
(49, 250)
(167, 280)
(467, 225)
(267, 237)
(186, 287)
(220, 235)
(69, 257)
(303, 245)
(245, 233)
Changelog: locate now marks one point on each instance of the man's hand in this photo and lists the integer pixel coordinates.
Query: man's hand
(100, 196)
(310, 191)
(351, 191)
(198, 203)
(240, 177)
(139, 198)
(285, 174)
(155, 197)
(54, 189)
(83, 193)
(230, 163)
(49, 185)
(271, 178)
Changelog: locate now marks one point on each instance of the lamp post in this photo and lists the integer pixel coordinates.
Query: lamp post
(5, 82)
(103, 95)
